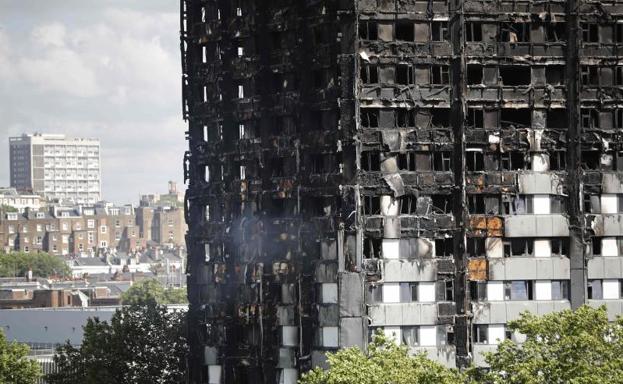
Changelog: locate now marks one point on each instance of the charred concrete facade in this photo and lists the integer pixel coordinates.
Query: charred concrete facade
(428, 168)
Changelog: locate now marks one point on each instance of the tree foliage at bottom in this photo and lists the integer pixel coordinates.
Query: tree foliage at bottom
(384, 362)
(140, 345)
(15, 367)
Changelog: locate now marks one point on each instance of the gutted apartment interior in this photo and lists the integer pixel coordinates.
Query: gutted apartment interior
(429, 169)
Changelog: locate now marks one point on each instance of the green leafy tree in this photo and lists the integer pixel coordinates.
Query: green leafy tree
(42, 265)
(152, 291)
(141, 345)
(566, 347)
(385, 362)
(15, 367)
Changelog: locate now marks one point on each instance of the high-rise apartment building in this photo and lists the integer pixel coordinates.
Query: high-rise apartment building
(56, 166)
(427, 168)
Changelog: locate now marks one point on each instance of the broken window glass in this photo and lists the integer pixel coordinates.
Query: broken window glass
(476, 246)
(375, 294)
(473, 31)
(515, 75)
(372, 248)
(476, 204)
(555, 32)
(405, 31)
(368, 30)
(406, 161)
(442, 161)
(444, 247)
(404, 74)
(440, 74)
(370, 161)
(408, 205)
(369, 73)
(370, 118)
(440, 31)
(474, 74)
(590, 32)
(474, 160)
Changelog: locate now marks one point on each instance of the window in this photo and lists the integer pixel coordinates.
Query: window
(590, 32)
(371, 205)
(481, 333)
(475, 246)
(408, 205)
(103, 229)
(442, 161)
(372, 248)
(589, 118)
(370, 161)
(406, 161)
(405, 31)
(474, 160)
(473, 31)
(515, 32)
(410, 335)
(440, 30)
(560, 290)
(478, 290)
(408, 292)
(369, 73)
(90, 224)
(595, 291)
(368, 30)
(404, 118)
(444, 247)
(474, 74)
(404, 74)
(475, 118)
(590, 75)
(370, 118)
(518, 290)
(476, 204)
(440, 74)
(103, 244)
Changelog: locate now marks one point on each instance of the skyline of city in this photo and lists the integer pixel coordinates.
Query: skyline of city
(88, 71)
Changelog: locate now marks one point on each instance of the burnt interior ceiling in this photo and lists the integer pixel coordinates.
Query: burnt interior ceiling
(428, 168)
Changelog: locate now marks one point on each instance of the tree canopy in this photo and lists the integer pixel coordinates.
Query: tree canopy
(15, 367)
(42, 265)
(141, 345)
(578, 346)
(152, 291)
(384, 359)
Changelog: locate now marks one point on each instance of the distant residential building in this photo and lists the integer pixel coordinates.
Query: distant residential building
(56, 166)
(10, 197)
(172, 199)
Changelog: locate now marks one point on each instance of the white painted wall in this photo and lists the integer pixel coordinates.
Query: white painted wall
(609, 203)
(495, 290)
(495, 333)
(494, 247)
(290, 336)
(543, 289)
(426, 292)
(391, 248)
(541, 204)
(609, 246)
(428, 335)
(540, 162)
(391, 293)
(611, 289)
(542, 248)
(389, 206)
(288, 376)
(214, 374)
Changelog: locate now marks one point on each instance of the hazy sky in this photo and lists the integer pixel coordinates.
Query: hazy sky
(108, 69)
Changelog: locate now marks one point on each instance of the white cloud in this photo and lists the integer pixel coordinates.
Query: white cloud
(106, 71)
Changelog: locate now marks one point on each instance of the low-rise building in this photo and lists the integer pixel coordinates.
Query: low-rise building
(11, 197)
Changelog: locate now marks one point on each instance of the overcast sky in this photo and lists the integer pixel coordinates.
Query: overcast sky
(108, 69)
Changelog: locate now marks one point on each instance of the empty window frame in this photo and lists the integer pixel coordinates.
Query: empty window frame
(408, 205)
(555, 32)
(444, 247)
(560, 246)
(440, 31)
(589, 75)
(590, 32)
(440, 74)
(372, 248)
(515, 75)
(370, 161)
(518, 290)
(476, 204)
(369, 73)
(515, 32)
(406, 161)
(595, 290)
(370, 118)
(404, 118)
(476, 246)
(404, 31)
(475, 118)
(558, 161)
(368, 30)
(473, 31)
(442, 203)
(408, 292)
(516, 118)
(589, 118)
(478, 290)
(474, 74)
(371, 205)
(474, 160)
(404, 74)
(519, 247)
(410, 335)
(481, 334)
(442, 161)
(557, 118)
(555, 74)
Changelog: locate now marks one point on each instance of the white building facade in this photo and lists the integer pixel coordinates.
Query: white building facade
(56, 166)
